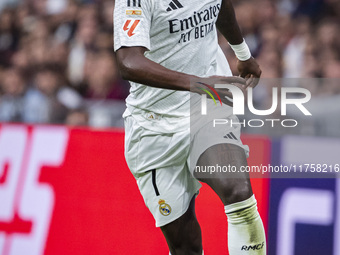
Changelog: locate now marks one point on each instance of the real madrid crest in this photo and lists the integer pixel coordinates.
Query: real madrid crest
(164, 208)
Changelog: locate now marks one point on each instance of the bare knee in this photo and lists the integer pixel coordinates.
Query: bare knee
(186, 250)
(230, 186)
(184, 234)
(185, 244)
(241, 191)
(230, 190)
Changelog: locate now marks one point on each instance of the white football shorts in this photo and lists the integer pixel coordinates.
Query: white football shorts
(162, 167)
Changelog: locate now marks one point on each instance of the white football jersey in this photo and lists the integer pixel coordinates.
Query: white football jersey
(179, 35)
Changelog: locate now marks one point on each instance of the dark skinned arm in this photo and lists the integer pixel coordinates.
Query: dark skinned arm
(228, 26)
(134, 66)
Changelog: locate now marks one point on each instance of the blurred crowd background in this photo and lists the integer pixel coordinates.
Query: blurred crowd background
(57, 63)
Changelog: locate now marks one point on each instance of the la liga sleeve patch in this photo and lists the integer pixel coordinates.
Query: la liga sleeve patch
(132, 21)
(130, 26)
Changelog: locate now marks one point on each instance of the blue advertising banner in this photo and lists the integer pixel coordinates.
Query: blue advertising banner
(305, 212)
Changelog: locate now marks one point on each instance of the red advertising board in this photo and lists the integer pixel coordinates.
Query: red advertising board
(69, 191)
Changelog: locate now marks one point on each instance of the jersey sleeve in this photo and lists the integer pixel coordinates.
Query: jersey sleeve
(132, 21)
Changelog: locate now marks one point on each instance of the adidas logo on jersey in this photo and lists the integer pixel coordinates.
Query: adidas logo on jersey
(133, 3)
(173, 5)
(230, 136)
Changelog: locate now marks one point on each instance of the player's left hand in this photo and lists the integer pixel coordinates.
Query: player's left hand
(250, 70)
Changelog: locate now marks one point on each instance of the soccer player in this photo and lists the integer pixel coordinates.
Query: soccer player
(168, 50)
